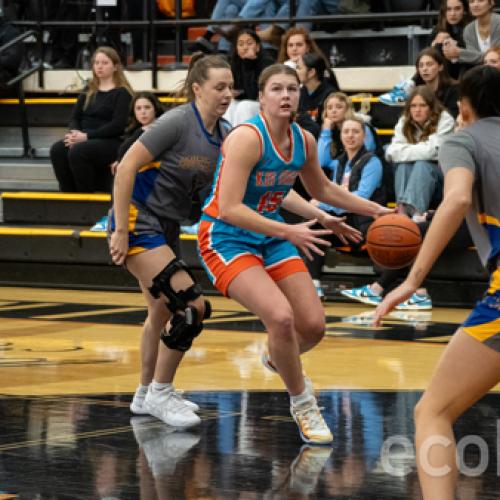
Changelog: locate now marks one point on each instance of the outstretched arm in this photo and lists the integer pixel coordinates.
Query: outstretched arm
(321, 188)
(447, 219)
(298, 205)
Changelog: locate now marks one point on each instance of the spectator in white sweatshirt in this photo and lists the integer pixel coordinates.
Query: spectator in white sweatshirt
(419, 132)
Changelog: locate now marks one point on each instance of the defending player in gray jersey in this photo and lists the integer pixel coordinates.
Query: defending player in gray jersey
(470, 365)
(158, 182)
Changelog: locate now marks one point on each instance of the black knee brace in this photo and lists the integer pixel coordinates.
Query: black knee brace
(185, 323)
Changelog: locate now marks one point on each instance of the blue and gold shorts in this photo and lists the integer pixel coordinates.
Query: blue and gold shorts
(484, 321)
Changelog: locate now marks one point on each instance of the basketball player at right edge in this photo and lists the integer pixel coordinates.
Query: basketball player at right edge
(470, 365)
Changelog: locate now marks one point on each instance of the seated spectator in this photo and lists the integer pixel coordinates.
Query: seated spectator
(358, 171)
(311, 68)
(295, 43)
(81, 160)
(453, 16)
(145, 108)
(264, 8)
(431, 71)
(492, 56)
(223, 9)
(10, 59)
(414, 149)
(479, 35)
(64, 39)
(248, 59)
(337, 107)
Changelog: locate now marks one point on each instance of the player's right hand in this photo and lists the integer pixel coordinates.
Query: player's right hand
(307, 239)
(118, 247)
(381, 210)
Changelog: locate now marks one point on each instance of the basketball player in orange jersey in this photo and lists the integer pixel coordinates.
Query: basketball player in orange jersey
(470, 365)
(250, 253)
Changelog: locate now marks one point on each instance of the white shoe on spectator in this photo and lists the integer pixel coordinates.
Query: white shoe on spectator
(319, 289)
(399, 94)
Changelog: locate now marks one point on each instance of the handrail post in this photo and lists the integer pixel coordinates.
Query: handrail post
(154, 50)
(293, 11)
(40, 47)
(178, 31)
(27, 150)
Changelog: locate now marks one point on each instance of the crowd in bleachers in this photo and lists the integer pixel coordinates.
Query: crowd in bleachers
(406, 172)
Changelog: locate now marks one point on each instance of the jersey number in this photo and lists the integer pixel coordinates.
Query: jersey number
(270, 201)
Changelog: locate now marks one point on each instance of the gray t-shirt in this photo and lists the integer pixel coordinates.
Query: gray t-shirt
(477, 148)
(188, 156)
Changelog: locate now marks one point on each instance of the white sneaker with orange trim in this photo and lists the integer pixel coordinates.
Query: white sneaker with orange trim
(312, 426)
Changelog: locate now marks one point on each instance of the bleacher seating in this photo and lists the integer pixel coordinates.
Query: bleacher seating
(45, 237)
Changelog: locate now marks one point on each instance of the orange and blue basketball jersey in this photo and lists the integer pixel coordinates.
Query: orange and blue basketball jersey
(226, 250)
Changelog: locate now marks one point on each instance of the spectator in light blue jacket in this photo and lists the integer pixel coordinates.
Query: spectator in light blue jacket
(359, 171)
(337, 107)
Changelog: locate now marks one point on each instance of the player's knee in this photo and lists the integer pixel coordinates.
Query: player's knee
(188, 307)
(428, 409)
(314, 326)
(280, 323)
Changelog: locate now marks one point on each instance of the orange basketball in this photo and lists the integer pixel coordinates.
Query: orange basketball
(393, 241)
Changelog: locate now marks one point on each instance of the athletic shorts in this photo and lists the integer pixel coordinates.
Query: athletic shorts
(484, 321)
(145, 231)
(226, 251)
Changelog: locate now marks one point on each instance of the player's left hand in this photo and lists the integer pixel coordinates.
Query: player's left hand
(342, 230)
(391, 300)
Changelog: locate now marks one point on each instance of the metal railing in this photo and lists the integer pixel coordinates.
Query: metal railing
(178, 24)
(17, 82)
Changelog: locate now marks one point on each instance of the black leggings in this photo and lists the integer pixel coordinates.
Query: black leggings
(84, 168)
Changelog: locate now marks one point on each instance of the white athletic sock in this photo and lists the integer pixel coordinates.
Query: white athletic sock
(159, 386)
(302, 398)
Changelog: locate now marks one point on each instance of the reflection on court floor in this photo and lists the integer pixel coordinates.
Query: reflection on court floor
(69, 364)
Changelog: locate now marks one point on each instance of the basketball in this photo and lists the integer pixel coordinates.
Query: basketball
(393, 241)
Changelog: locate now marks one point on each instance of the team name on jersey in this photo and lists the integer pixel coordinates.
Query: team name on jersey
(285, 178)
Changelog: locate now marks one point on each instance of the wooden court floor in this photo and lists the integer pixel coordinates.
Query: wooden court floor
(69, 363)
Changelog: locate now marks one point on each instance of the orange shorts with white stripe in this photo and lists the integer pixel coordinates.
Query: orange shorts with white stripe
(226, 251)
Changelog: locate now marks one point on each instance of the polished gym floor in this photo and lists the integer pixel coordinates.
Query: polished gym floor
(69, 363)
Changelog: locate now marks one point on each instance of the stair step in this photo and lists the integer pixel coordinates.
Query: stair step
(28, 185)
(54, 208)
(67, 244)
(16, 170)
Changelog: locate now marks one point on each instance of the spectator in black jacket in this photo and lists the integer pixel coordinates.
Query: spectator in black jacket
(144, 110)
(10, 59)
(81, 160)
(318, 82)
(431, 71)
(248, 59)
(454, 15)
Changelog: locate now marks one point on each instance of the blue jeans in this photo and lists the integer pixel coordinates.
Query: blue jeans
(418, 183)
(226, 9)
(265, 8)
(314, 8)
